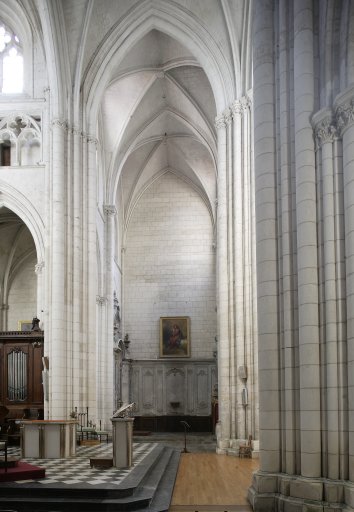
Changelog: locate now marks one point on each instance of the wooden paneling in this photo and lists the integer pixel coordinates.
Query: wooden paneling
(172, 423)
(179, 388)
(33, 347)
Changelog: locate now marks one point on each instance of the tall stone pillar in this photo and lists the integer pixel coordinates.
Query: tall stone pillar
(56, 337)
(345, 121)
(307, 262)
(237, 338)
(223, 441)
(238, 259)
(90, 272)
(77, 271)
(40, 289)
(305, 265)
(266, 239)
(106, 345)
(326, 137)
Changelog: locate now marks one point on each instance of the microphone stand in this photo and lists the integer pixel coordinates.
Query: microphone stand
(185, 424)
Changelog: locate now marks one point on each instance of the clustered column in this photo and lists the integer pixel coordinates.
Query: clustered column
(345, 121)
(304, 185)
(236, 305)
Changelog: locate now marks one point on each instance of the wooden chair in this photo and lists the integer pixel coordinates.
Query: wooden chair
(102, 433)
(245, 450)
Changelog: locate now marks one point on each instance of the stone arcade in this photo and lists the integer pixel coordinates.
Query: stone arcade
(189, 158)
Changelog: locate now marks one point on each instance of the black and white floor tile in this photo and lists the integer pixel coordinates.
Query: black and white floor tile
(76, 471)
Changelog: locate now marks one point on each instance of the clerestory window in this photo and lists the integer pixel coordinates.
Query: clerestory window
(11, 62)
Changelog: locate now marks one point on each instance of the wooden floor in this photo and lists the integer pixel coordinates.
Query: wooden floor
(211, 482)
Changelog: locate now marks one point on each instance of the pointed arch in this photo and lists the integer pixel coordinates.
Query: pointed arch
(19, 204)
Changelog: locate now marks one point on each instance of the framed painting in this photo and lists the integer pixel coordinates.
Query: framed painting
(174, 336)
(25, 325)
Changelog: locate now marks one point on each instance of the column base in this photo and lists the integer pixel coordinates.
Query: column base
(231, 447)
(280, 492)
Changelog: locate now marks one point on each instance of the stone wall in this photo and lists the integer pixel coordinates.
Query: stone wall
(169, 268)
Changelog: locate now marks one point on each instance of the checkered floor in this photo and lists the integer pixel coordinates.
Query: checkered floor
(76, 471)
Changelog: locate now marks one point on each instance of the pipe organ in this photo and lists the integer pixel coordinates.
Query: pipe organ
(21, 389)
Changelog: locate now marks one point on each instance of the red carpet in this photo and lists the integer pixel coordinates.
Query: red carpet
(22, 471)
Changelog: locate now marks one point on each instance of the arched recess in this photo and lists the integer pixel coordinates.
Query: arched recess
(19, 204)
(21, 290)
(164, 17)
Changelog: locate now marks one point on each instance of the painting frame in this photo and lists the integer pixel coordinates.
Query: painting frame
(175, 337)
(25, 325)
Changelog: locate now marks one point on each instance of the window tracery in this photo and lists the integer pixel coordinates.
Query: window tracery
(11, 61)
(20, 140)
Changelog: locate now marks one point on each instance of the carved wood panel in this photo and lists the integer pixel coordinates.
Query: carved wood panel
(172, 388)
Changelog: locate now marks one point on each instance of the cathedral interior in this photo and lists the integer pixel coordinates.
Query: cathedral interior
(177, 228)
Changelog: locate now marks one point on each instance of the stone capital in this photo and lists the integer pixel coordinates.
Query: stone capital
(228, 116)
(100, 301)
(220, 122)
(246, 103)
(39, 267)
(344, 109)
(237, 109)
(345, 116)
(60, 123)
(110, 210)
(325, 132)
(90, 139)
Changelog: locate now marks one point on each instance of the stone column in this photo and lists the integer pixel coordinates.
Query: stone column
(4, 313)
(345, 120)
(101, 358)
(249, 339)
(126, 369)
(238, 258)
(77, 274)
(107, 342)
(307, 263)
(223, 441)
(57, 335)
(288, 283)
(40, 291)
(266, 240)
(231, 279)
(325, 137)
(90, 272)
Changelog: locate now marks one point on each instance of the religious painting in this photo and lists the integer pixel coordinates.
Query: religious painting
(174, 336)
(25, 325)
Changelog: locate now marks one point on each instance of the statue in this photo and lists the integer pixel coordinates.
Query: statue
(116, 319)
(35, 324)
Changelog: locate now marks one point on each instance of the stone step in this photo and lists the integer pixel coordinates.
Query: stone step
(136, 492)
